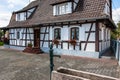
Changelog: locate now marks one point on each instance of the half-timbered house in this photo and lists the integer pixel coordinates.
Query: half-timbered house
(79, 27)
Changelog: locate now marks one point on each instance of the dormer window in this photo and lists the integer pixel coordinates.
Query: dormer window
(63, 8)
(29, 12)
(107, 7)
(22, 16)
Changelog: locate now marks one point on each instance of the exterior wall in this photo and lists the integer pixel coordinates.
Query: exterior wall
(26, 36)
(84, 29)
(86, 45)
(65, 36)
(45, 35)
(17, 47)
(58, 51)
(104, 37)
(67, 49)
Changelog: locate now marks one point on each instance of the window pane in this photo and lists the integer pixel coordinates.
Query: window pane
(18, 35)
(62, 9)
(54, 10)
(69, 9)
(22, 16)
(58, 10)
(57, 33)
(75, 33)
(17, 17)
(29, 12)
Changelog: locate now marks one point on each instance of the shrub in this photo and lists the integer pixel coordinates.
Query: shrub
(30, 45)
(1, 43)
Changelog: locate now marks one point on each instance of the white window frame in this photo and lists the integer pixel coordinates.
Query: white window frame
(107, 9)
(61, 9)
(22, 16)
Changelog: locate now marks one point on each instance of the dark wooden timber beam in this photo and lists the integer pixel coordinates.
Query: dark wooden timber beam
(110, 8)
(72, 6)
(97, 37)
(26, 38)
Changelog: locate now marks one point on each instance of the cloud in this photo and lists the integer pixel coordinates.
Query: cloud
(32, 0)
(6, 11)
(14, 3)
(116, 15)
(4, 18)
(11, 6)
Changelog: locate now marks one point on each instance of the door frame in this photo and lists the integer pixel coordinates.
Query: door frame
(37, 36)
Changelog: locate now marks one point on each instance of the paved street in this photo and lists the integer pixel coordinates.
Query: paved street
(15, 65)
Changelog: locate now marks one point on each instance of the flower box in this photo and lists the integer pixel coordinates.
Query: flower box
(72, 42)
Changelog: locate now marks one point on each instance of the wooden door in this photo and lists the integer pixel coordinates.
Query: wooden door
(36, 37)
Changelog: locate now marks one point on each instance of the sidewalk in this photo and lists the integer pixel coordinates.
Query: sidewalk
(16, 65)
(2, 47)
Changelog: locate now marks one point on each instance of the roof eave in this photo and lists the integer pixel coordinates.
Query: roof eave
(4, 28)
(60, 2)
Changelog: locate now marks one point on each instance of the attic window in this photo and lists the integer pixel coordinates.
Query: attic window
(107, 9)
(29, 12)
(22, 16)
(63, 8)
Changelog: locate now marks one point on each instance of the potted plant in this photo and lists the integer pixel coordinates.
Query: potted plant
(55, 41)
(30, 45)
(72, 42)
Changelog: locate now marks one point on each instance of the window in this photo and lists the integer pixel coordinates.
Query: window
(57, 33)
(107, 9)
(75, 33)
(24, 15)
(63, 8)
(102, 33)
(29, 12)
(21, 16)
(18, 35)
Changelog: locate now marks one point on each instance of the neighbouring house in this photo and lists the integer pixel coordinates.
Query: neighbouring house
(76, 27)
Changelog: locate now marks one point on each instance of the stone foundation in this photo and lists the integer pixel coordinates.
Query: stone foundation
(70, 74)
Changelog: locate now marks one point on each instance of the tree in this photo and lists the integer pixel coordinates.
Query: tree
(1, 34)
(115, 34)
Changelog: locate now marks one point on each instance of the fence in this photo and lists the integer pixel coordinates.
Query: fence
(116, 49)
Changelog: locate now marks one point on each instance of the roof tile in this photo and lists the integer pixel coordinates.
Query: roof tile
(44, 12)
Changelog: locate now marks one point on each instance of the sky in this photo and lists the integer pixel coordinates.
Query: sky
(116, 10)
(9, 6)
